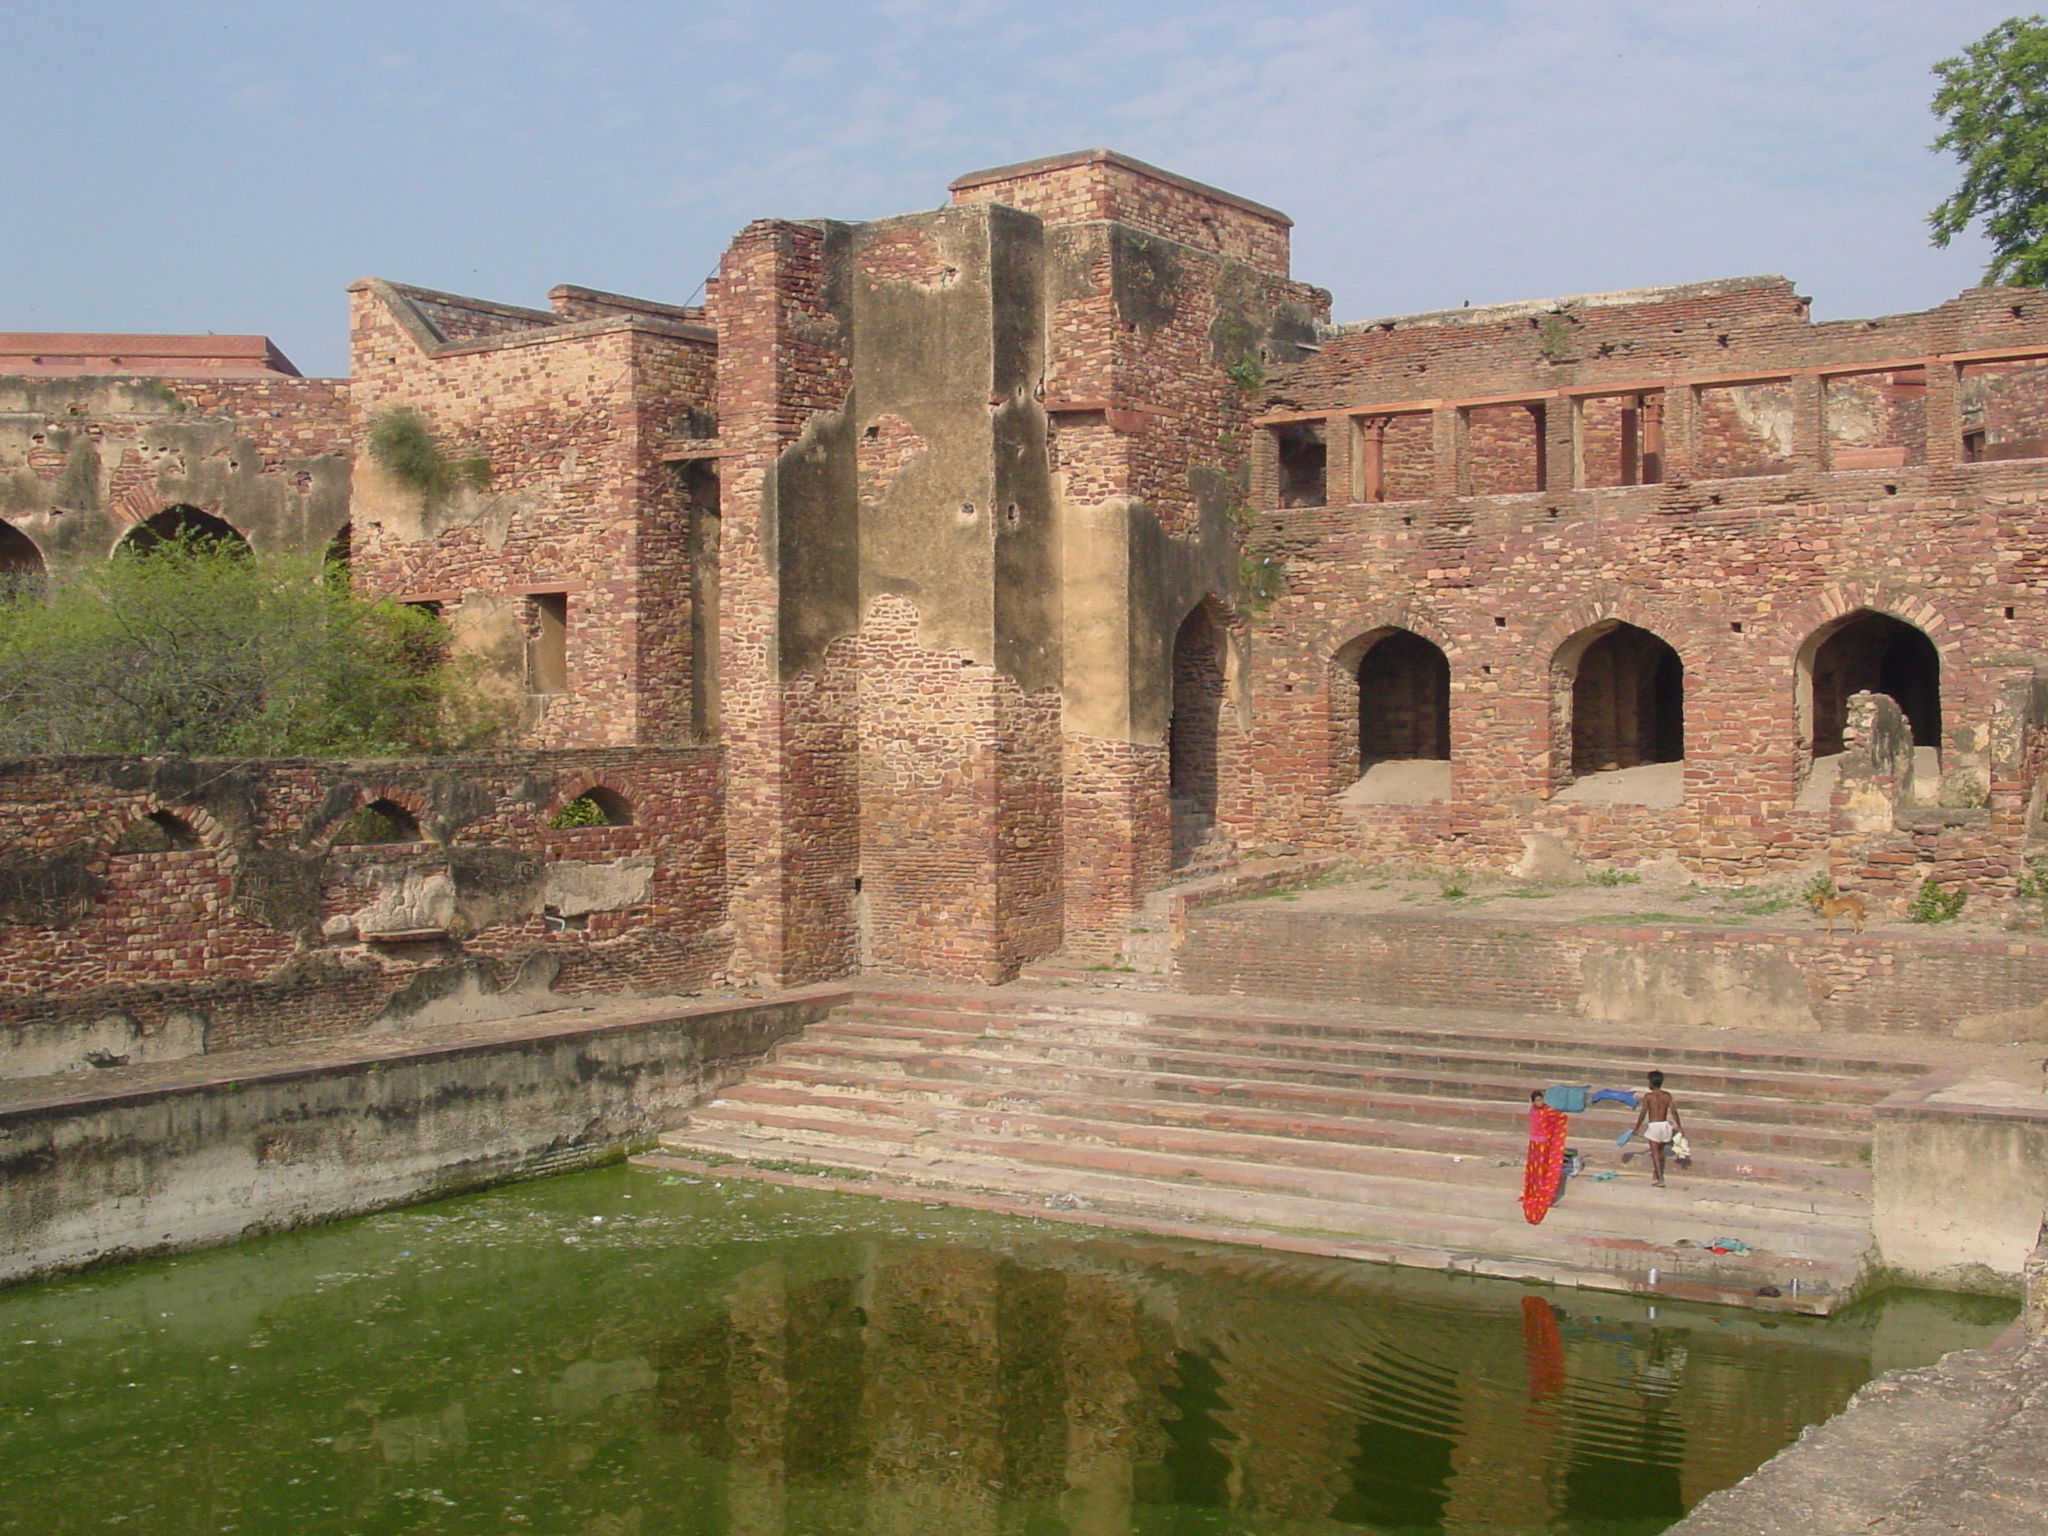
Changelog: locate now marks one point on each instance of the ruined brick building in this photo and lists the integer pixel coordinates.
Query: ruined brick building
(967, 572)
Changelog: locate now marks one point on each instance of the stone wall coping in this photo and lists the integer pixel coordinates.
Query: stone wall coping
(1711, 933)
(33, 1098)
(1518, 309)
(545, 328)
(1921, 1100)
(1024, 168)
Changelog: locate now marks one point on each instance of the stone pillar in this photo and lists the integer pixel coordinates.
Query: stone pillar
(788, 585)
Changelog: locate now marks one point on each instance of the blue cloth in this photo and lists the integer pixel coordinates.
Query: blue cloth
(1620, 1096)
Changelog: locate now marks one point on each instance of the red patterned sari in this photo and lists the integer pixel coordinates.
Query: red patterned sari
(1544, 1168)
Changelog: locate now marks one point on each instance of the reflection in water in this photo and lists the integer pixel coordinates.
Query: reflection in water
(609, 1355)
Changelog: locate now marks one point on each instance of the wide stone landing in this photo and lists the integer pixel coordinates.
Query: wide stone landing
(1372, 1132)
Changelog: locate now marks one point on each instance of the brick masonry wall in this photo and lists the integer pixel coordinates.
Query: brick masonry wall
(271, 930)
(572, 419)
(792, 810)
(1739, 575)
(1093, 187)
(83, 460)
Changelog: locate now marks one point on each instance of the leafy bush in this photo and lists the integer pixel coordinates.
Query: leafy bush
(1613, 877)
(405, 447)
(580, 812)
(1935, 903)
(197, 647)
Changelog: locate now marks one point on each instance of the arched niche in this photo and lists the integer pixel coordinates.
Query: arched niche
(595, 807)
(1868, 652)
(381, 821)
(1391, 716)
(22, 571)
(1621, 692)
(1193, 730)
(181, 522)
(157, 832)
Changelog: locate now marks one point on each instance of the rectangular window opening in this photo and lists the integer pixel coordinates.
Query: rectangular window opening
(1744, 430)
(2004, 407)
(1621, 439)
(1304, 455)
(547, 642)
(1506, 448)
(1392, 457)
(1876, 420)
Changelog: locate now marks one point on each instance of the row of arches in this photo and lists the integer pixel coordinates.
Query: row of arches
(23, 568)
(374, 823)
(1620, 687)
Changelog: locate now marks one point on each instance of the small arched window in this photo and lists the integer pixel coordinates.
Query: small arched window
(595, 807)
(381, 821)
(158, 832)
(182, 524)
(21, 565)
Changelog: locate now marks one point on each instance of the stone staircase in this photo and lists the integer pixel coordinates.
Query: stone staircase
(1382, 1133)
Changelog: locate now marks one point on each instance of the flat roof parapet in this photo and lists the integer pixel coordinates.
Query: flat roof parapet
(87, 353)
(1025, 170)
(1521, 309)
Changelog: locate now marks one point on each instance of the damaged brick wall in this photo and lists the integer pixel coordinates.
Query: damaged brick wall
(272, 924)
(574, 549)
(83, 460)
(1740, 574)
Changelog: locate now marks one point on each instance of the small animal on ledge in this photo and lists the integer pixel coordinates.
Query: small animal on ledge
(1832, 907)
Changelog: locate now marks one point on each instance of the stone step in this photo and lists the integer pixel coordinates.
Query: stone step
(1577, 1244)
(1504, 1119)
(1510, 1034)
(939, 1029)
(1428, 1095)
(924, 1103)
(862, 1121)
(1173, 1183)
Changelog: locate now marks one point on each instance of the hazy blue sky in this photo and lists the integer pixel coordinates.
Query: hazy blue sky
(232, 166)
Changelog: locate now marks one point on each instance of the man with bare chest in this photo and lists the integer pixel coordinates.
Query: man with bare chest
(1657, 1121)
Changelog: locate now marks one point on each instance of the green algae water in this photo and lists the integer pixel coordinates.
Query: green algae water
(622, 1353)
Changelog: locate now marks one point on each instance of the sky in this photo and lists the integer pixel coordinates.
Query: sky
(233, 166)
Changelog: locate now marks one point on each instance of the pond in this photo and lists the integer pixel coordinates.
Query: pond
(622, 1353)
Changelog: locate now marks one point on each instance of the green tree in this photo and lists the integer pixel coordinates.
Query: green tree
(201, 648)
(1994, 98)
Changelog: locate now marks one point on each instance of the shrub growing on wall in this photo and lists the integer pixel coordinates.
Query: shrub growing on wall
(198, 647)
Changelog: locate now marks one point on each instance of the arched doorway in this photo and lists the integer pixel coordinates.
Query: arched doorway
(1390, 719)
(22, 573)
(1627, 698)
(181, 522)
(1404, 700)
(1191, 732)
(1869, 652)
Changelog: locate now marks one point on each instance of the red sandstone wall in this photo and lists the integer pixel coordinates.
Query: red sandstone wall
(1095, 186)
(792, 806)
(1736, 574)
(573, 420)
(83, 460)
(265, 929)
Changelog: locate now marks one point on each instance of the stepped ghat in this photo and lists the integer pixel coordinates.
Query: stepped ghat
(1344, 1070)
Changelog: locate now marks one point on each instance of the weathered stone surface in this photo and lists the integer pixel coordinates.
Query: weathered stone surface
(1955, 1447)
